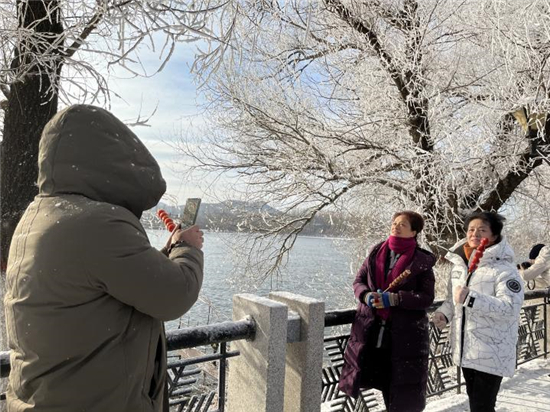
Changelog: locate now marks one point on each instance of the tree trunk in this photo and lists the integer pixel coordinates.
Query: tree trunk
(31, 103)
(26, 116)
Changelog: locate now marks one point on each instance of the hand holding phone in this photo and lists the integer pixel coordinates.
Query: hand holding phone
(190, 212)
(192, 236)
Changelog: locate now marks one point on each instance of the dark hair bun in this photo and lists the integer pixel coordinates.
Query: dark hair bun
(533, 254)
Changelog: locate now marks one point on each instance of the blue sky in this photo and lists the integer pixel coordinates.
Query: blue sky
(174, 95)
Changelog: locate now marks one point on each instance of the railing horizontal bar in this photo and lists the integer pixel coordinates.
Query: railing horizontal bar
(187, 373)
(336, 337)
(184, 338)
(344, 316)
(184, 382)
(174, 402)
(331, 346)
(339, 317)
(201, 359)
(184, 392)
(215, 333)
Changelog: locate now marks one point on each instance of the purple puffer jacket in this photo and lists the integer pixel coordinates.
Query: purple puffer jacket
(409, 334)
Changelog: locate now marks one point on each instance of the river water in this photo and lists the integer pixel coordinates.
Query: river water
(317, 267)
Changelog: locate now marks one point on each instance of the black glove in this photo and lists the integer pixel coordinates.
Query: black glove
(524, 265)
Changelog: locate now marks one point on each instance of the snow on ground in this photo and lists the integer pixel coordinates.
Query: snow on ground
(528, 390)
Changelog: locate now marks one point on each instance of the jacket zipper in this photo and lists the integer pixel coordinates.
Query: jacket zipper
(463, 321)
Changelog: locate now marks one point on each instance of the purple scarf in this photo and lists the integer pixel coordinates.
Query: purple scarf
(404, 246)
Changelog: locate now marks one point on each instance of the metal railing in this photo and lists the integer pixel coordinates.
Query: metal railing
(184, 390)
(182, 372)
(443, 376)
(186, 364)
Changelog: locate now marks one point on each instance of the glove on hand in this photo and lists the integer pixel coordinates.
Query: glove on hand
(369, 298)
(439, 320)
(524, 265)
(381, 300)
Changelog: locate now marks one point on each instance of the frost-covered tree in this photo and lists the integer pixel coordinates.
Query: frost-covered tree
(435, 105)
(57, 51)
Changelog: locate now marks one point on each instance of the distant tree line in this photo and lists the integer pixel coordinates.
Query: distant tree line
(237, 216)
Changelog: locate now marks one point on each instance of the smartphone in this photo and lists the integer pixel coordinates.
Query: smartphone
(190, 212)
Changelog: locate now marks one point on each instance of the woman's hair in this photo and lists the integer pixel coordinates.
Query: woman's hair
(415, 219)
(493, 219)
(534, 253)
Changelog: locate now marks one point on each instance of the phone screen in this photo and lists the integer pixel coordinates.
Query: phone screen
(190, 212)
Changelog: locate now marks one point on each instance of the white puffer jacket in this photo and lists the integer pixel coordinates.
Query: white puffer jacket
(541, 268)
(491, 311)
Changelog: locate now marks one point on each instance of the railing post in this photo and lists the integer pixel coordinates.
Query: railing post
(304, 358)
(546, 336)
(221, 377)
(256, 377)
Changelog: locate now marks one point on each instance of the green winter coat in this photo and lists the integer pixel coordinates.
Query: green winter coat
(86, 293)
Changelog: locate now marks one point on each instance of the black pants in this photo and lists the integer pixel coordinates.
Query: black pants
(382, 371)
(482, 389)
(380, 368)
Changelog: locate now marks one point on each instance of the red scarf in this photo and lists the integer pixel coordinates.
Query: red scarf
(468, 251)
(404, 246)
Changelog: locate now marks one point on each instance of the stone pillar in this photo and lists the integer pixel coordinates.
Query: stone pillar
(256, 377)
(304, 357)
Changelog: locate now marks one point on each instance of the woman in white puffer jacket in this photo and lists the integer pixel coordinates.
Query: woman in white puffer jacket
(539, 270)
(484, 310)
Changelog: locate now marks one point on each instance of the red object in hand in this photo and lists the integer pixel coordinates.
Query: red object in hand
(479, 254)
(169, 223)
(398, 279)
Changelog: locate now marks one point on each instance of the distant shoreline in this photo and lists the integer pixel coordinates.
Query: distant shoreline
(313, 236)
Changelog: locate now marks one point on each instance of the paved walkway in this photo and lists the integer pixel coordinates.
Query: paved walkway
(528, 390)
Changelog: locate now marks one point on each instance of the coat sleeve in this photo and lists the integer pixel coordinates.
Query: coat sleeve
(360, 284)
(422, 296)
(542, 264)
(448, 307)
(122, 262)
(507, 301)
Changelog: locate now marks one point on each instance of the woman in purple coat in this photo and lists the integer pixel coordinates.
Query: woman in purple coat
(389, 343)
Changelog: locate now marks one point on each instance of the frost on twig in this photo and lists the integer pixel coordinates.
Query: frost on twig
(97, 36)
(379, 106)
